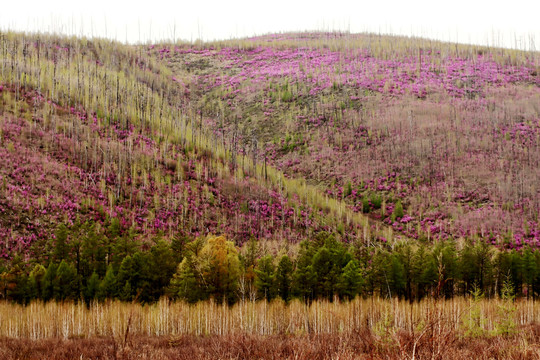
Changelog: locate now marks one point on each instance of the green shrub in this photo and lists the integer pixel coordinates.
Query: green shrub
(505, 325)
(286, 96)
(474, 323)
(376, 201)
(366, 207)
(398, 211)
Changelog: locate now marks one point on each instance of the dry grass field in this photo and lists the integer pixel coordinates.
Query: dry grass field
(360, 329)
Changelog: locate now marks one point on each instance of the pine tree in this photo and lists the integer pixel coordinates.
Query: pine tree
(248, 261)
(111, 242)
(451, 270)
(468, 268)
(516, 270)
(141, 283)
(115, 229)
(61, 251)
(65, 282)
(284, 278)
(426, 270)
(162, 265)
(406, 255)
(124, 278)
(536, 281)
(178, 245)
(126, 293)
(351, 280)
(36, 282)
(328, 263)
(93, 254)
(377, 273)
(484, 258)
(125, 273)
(323, 265)
(505, 324)
(366, 206)
(265, 277)
(185, 283)
(48, 282)
(348, 189)
(529, 270)
(123, 246)
(304, 277)
(108, 287)
(92, 288)
(475, 322)
(18, 283)
(396, 276)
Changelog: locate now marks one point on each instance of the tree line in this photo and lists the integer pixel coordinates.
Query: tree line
(89, 262)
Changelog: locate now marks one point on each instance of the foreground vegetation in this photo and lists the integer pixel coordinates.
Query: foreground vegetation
(471, 317)
(359, 345)
(359, 329)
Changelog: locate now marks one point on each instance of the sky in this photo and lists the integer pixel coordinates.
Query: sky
(513, 24)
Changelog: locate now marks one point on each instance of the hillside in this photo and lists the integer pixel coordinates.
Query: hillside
(349, 164)
(434, 140)
(94, 131)
(198, 139)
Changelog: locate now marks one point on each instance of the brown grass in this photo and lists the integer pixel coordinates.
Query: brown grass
(362, 344)
(360, 329)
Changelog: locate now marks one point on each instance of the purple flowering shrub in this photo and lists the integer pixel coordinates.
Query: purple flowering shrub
(451, 137)
(52, 174)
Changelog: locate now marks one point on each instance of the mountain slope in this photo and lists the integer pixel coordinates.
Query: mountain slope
(274, 137)
(99, 132)
(446, 134)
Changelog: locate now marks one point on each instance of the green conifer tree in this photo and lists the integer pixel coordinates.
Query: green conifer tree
(61, 250)
(48, 282)
(108, 288)
(36, 281)
(396, 276)
(265, 277)
(65, 282)
(304, 277)
(529, 270)
(126, 293)
(284, 278)
(162, 265)
(351, 280)
(126, 271)
(92, 288)
(185, 283)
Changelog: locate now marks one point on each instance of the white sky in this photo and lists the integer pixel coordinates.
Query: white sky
(514, 23)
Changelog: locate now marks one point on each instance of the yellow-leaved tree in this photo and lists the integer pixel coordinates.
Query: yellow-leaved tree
(210, 270)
